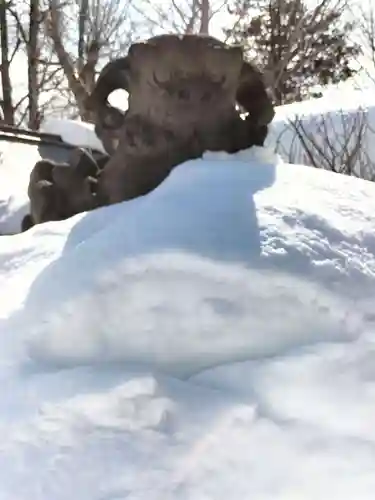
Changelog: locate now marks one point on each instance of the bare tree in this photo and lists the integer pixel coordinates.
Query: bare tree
(6, 60)
(204, 17)
(104, 30)
(83, 18)
(297, 44)
(364, 13)
(179, 16)
(84, 34)
(33, 86)
(66, 43)
(33, 63)
(338, 141)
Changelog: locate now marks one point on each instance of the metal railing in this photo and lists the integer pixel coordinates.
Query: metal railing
(15, 134)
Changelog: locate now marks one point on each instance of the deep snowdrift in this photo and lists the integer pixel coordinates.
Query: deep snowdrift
(214, 339)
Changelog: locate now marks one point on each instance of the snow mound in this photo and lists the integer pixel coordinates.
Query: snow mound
(227, 266)
(348, 101)
(213, 339)
(330, 131)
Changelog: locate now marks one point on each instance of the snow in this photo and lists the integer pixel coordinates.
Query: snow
(74, 132)
(16, 163)
(332, 100)
(333, 122)
(211, 340)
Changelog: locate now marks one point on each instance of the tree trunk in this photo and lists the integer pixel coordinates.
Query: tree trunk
(7, 101)
(83, 12)
(33, 50)
(205, 17)
(75, 85)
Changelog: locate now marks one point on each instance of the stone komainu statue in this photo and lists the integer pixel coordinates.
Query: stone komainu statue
(183, 92)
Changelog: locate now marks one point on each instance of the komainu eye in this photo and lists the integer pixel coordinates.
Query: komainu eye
(183, 94)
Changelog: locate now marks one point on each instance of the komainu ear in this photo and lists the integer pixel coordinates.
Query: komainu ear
(253, 96)
(114, 76)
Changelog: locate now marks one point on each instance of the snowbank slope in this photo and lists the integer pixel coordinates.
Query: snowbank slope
(214, 339)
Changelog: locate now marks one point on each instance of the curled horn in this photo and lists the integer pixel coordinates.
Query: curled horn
(114, 75)
(252, 95)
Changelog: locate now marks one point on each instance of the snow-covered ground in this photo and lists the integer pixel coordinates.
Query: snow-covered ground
(16, 163)
(213, 340)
